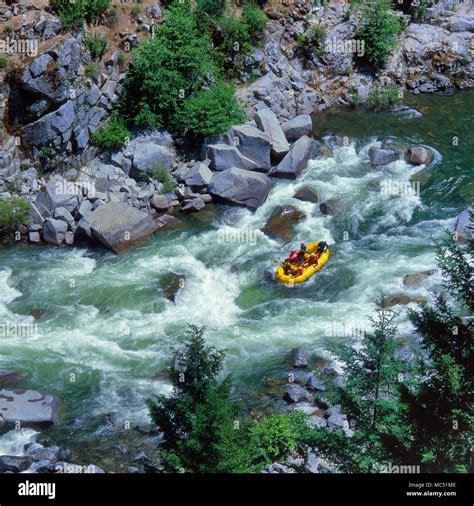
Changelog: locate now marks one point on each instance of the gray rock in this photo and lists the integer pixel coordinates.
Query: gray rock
(241, 187)
(30, 408)
(299, 358)
(160, 202)
(50, 453)
(59, 194)
(268, 122)
(54, 231)
(312, 463)
(253, 144)
(281, 223)
(61, 213)
(194, 205)
(379, 156)
(296, 393)
(198, 176)
(69, 238)
(224, 157)
(34, 237)
(147, 157)
(317, 422)
(314, 383)
(118, 226)
(463, 227)
(418, 155)
(297, 127)
(296, 160)
(168, 221)
(13, 464)
(306, 195)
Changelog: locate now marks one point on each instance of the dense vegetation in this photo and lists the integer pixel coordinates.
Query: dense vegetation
(175, 79)
(13, 213)
(379, 30)
(74, 14)
(399, 413)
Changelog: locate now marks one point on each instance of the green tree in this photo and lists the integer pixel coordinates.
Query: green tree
(13, 213)
(379, 31)
(441, 408)
(201, 426)
(370, 397)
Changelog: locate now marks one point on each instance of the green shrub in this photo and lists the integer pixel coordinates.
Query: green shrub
(171, 75)
(92, 71)
(135, 10)
(379, 31)
(3, 61)
(381, 99)
(163, 176)
(255, 20)
(311, 43)
(113, 135)
(75, 14)
(97, 45)
(212, 8)
(210, 112)
(277, 435)
(111, 17)
(13, 213)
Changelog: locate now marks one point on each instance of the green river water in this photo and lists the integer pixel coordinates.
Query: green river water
(105, 334)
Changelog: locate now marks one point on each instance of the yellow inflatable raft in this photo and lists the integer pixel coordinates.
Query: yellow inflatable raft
(290, 280)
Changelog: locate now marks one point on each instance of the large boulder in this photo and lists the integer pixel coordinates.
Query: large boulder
(118, 226)
(241, 187)
(380, 156)
(418, 155)
(296, 393)
(463, 228)
(268, 122)
(58, 194)
(223, 157)
(147, 157)
(253, 144)
(296, 160)
(297, 127)
(54, 231)
(32, 409)
(281, 223)
(198, 176)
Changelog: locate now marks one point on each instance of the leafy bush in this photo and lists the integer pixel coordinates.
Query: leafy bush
(75, 14)
(210, 112)
(277, 435)
(212, 8)
(3, 61)
(255, 20)
(113, 135)
(13, 213)
(381, 99)
(97, 45)
(92, 71)
(167, 76)
(311, 42)
(162, 175)
(379, 31)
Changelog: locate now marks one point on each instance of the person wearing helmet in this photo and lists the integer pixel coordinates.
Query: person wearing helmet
(302, 255)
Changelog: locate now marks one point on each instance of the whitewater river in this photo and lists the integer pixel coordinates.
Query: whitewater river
(104, 333)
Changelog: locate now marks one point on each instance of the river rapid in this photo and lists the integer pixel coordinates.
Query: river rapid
(100, 334)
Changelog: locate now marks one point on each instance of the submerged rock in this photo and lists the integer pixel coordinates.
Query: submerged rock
(418, 155)
(379, 156)
(331, 207)
(306, 194)
(402, 299)
(281, 223)
(299, 358)
(10, 377)
(296, 393)
(416, 279)
(14, 464)
(171, 284)
(463, 227)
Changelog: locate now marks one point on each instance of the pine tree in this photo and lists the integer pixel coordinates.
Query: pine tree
(370, 398)
(201, 426)
(441, 408)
